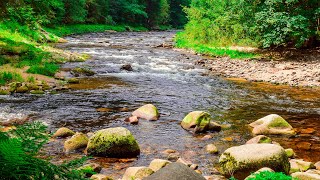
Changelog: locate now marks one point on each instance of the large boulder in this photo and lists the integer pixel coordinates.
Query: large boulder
(113, 142)
(241, 160)
(197, 121)
(148, 112)
(272, 124)
(137, 173)
(175, 171)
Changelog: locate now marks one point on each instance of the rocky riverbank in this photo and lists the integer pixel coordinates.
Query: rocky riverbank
(294, 72)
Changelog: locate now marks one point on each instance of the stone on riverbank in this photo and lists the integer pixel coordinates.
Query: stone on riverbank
(148, 112)
(259, 139)
(298, 165)
(100, 177)
(309, 175)
(63, 132)
(77, 141)
(157, 164)
(175, 171)
(212, 149)
(137, 173)
(197, 121)
(113, 142)
(272, 124)
(241, 160)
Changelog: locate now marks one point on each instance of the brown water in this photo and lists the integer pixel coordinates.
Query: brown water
(168, 79)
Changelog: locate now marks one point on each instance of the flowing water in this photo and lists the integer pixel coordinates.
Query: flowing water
(168, 79)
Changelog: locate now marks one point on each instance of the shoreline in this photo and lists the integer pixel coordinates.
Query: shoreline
(292, 73)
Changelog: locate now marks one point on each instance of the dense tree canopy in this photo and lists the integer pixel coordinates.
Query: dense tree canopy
(265, 23)
(148, 13)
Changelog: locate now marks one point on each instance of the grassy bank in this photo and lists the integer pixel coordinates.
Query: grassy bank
(182, 41)
(90, 28)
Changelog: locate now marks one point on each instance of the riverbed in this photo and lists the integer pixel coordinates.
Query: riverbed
(169, 79)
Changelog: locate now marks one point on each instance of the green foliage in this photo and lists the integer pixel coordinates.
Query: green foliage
(210, 50)
(267, 175)
(266, 23)
(18, 150)
(48, 69)
(7, 77)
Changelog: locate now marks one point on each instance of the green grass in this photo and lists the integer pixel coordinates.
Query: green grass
(90, 28)
(183, 42)
(7, 77)
(48, 69)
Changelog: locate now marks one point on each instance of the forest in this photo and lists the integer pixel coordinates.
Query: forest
(85, 64)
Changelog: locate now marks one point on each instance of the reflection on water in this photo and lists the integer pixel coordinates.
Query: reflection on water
(168, 79)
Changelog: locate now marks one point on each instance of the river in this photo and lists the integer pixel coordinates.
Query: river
(169, 79)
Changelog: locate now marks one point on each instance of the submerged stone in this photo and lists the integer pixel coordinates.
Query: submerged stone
(113, 142)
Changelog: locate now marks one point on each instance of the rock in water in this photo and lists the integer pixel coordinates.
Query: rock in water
(137, 173)
(77, 141)
(197, 121)
(298, 165)
(259, 139)
(63, 132)
(157, 164)
(126, 67)
(148, 112)
(113, 142)
(272, 124)
(175, 171)
(242, 160)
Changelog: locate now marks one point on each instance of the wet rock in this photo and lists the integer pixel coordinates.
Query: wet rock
(253, 175)
(132, 120)
(194, 166)
(73, 81)
(113, 142)
(259, 139)
(272, 124)
(317, 165)
(215, 177)
(206, 137)
(213, 126)
(212, 149)
(175, 171)
(290, 153)
(63, 132)
(82, 71)
(126, 67)
(241, 160)
(148, 112)
(39, 92)
(198, 171)
(137, 173)
(298, 165)
(306, 176)
(77, 141)
(4, 92)
(157, 164)
(173, 157)
(197, 121)
(214, 171)
(185, 162)
(100, 177)
(304, 145)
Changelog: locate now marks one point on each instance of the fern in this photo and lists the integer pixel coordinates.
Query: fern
(18, 150)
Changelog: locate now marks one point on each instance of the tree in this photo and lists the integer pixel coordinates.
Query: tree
(75, 11)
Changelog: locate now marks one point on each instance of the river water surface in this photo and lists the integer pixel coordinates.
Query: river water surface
(168, 79)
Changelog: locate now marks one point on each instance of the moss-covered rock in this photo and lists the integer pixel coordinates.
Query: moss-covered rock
(242, 160)
(73, 81)
(259, 139)
(137, 173)
(272, 124)
(298, 165)
(157, 164)
(77, 141)
(22, 89)
(4, 92)
(113, 142)
(290, 153)
(63, 132)
(197, 121)
(82, 71)
(148, 112)
(37, 92)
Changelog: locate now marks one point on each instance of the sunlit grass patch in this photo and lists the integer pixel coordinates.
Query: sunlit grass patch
(7, 77)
